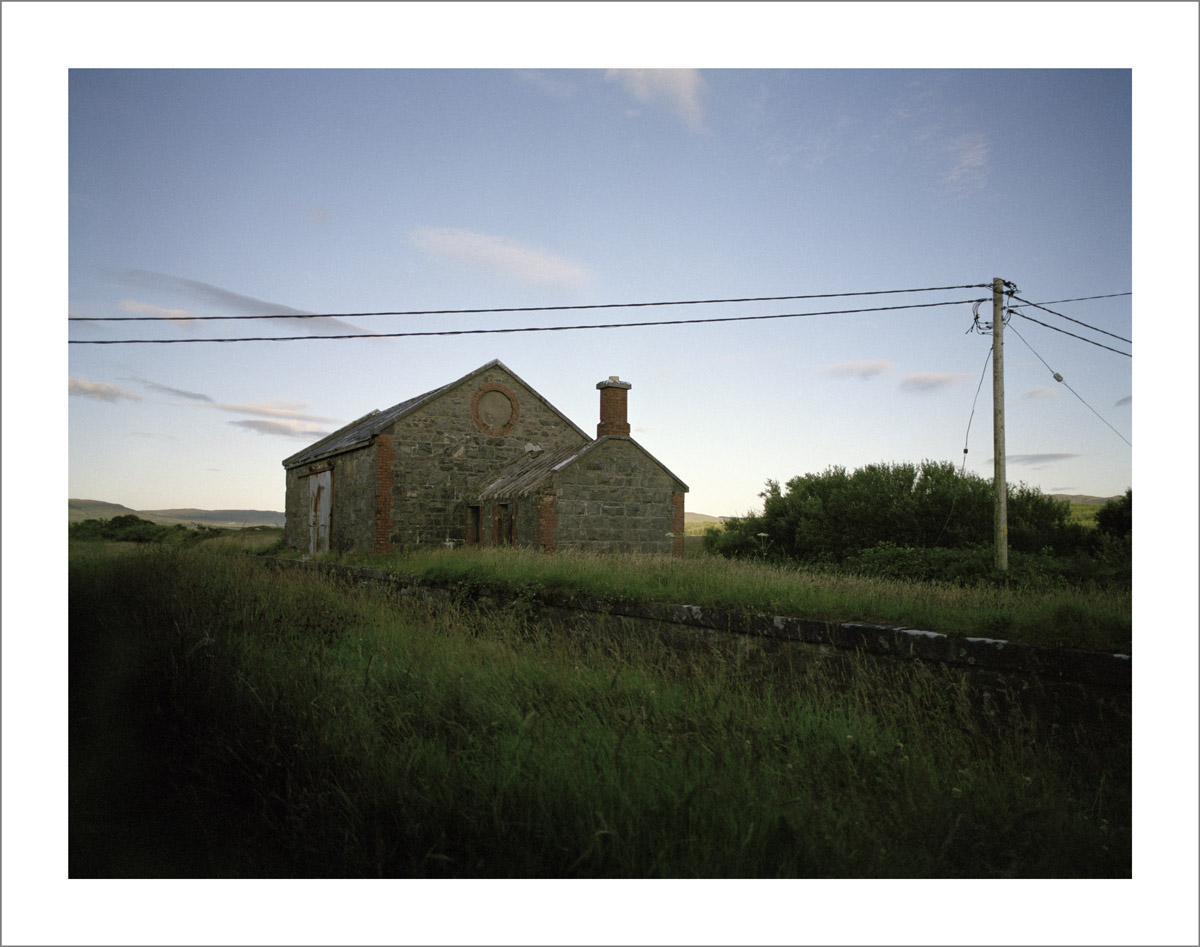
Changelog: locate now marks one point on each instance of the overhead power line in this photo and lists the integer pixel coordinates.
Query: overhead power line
(1076, 299)
(1059, 378)
(445, 332)
(1073, 335)
(464, 312)
(1068, 318)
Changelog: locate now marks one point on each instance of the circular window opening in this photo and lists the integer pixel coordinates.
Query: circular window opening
(494, 410)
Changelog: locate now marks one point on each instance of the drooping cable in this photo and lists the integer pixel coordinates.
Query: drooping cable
(462, 312)
(1025, 302)
(1059, 378)
(1075, 299)
(963, 469)
(1073, 335)
(448, 332)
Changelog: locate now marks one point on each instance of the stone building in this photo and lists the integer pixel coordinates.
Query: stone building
(484, 460)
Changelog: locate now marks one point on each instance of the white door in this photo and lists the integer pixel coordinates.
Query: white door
(320, 494)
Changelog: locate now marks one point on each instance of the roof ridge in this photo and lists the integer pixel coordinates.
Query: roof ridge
(357, 432)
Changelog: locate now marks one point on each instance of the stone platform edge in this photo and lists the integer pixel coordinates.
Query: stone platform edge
(1055, 664)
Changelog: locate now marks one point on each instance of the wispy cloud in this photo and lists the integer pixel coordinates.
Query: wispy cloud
(291, 410)
(136, 308)
(234, 304)
(948, 141)
(500, 255)
(679, 90)
(1033, 460)
(281, 428)
(1040, 393)
(273, 416)
(863, 371)
(930, 381)
(969, 156)
(168, 390)
(81, 387)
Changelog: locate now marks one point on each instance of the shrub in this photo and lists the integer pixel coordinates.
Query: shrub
(831, 516)
(1115, 518)
(133, 529)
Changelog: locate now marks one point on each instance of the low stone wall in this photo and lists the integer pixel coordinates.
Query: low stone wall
(1067, 687)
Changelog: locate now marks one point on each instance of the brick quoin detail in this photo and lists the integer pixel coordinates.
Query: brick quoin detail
(385, 453)
(677, 524)
(547, 521)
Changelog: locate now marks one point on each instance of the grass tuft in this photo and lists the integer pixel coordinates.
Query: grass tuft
(1092, 615)
(229, 721)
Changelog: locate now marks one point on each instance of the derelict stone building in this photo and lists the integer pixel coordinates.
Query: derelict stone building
(484, 460)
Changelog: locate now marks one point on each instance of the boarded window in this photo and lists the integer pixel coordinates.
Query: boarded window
(503, 525)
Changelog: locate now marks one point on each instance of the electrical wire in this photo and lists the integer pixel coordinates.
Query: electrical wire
(461, 312)
(1059, 378)
(447, 332)
(966, 439)
(978, 389)
(1073, 335)
(1076, 299)
(1069, 319)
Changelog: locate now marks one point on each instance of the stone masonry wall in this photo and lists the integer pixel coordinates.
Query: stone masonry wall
(443, 456)
(352, 514)
(352, 510)
(1064, 687)
(616, 499)
(295, 509)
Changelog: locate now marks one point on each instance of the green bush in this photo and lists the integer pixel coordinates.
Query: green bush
(835, 515)
(976, 566)
(134, 529)
(888, 561)
(1115, 518)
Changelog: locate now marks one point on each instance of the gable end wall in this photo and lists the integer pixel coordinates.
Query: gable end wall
(618, 499)
(442, 458)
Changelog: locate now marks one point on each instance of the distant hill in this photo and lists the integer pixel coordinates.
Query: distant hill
(78, 510)
(1082, 498)
(689, 517)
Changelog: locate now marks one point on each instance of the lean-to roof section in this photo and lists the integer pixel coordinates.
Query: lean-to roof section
(528, 474)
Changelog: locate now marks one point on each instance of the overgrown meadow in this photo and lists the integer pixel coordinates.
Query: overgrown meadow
(228, 720)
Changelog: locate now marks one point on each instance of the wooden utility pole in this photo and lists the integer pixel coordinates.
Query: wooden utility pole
(1000, 477)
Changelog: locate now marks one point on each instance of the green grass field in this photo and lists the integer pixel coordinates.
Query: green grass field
(231, 721)
(1091, 616)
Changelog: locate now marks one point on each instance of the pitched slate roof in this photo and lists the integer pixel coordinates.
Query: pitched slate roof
(525, 476)
(359, 433)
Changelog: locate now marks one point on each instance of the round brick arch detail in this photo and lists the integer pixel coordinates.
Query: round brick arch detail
(479, 420)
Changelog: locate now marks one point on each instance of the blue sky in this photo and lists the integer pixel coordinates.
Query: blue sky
(798, 149)
(247, 192)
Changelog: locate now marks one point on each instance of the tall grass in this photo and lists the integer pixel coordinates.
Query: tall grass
(282, 726)
(1092, 616)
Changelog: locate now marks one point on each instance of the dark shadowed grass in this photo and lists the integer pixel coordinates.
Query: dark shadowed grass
(229, 721)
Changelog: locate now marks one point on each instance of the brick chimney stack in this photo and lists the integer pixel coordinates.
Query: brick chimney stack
(613, 407)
